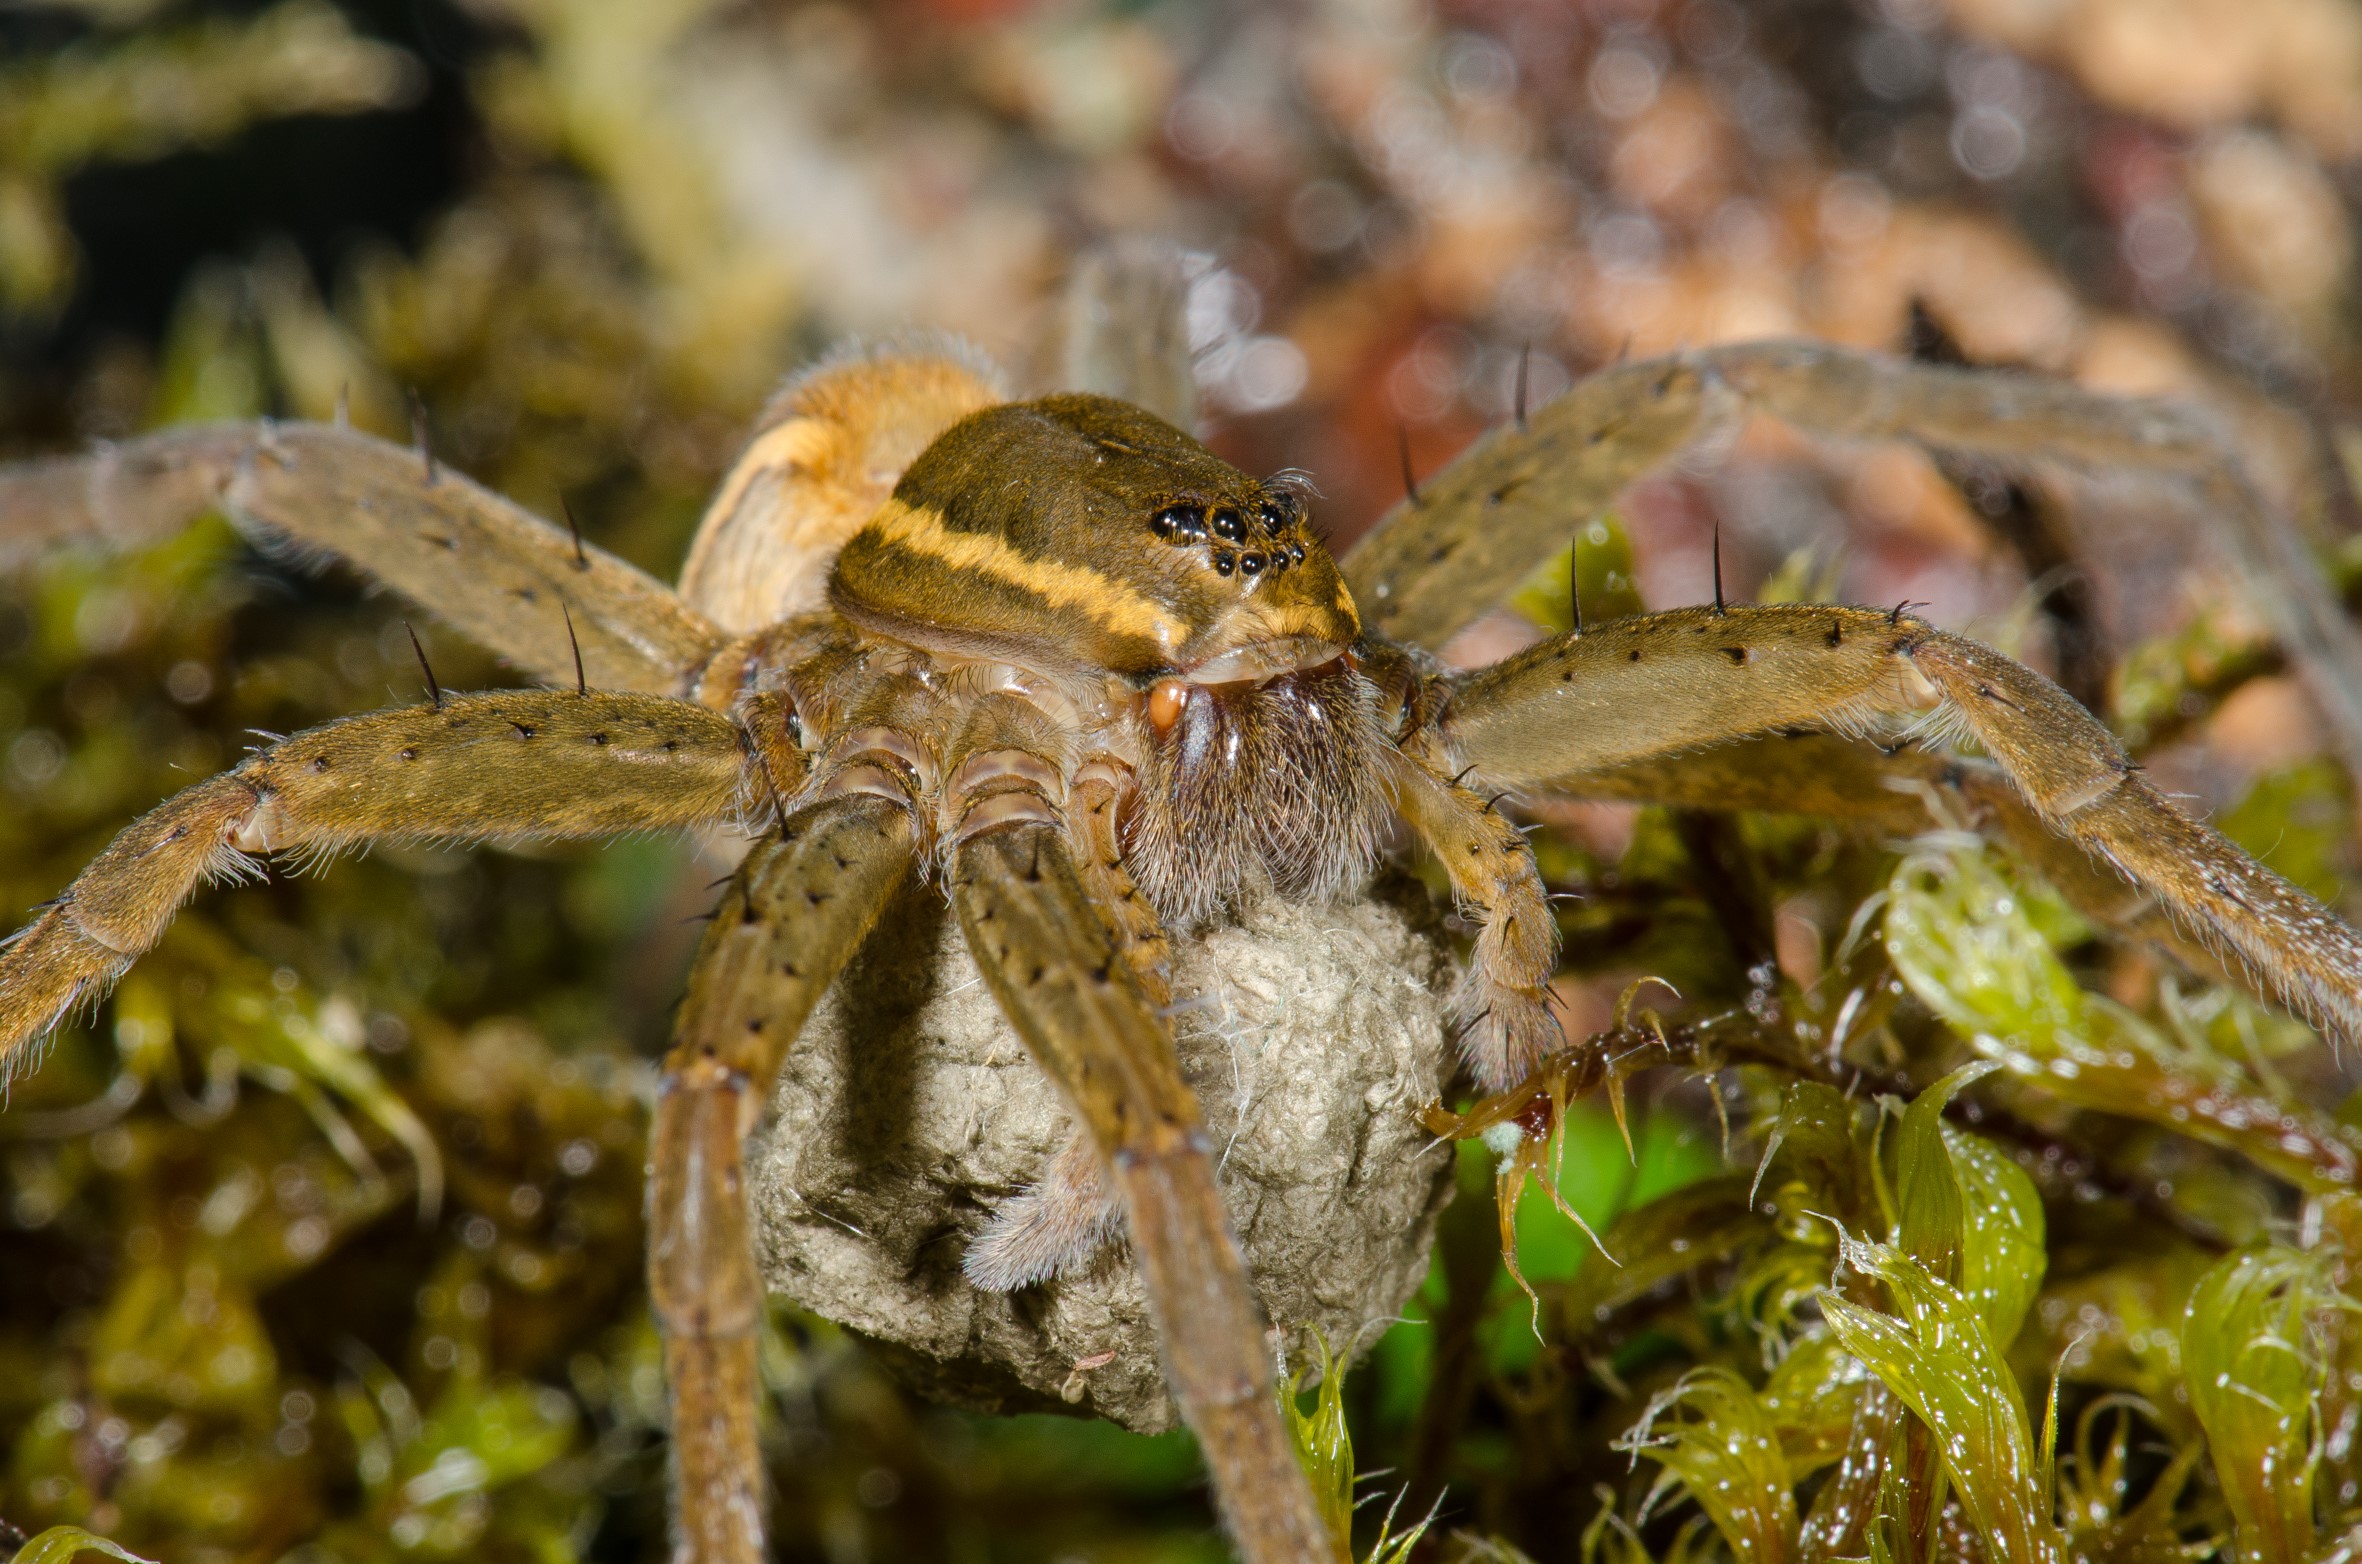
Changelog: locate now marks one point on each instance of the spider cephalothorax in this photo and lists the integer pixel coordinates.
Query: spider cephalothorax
(1103, 688)
(1081, 533)
(1206, 635)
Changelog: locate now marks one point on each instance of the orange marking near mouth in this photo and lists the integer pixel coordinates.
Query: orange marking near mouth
(1165, 703)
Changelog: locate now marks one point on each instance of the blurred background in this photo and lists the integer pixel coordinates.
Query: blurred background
(322, 1241)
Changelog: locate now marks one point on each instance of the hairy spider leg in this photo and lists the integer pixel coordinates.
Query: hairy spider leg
(1472, 533)
(795, 913)
(1662, 683)
(1053, 1227)
(1049, 961)
(1060, 1223)
(510, 764)
(1899, 792)
(491, 570)
(1465, 538)
(2021, 420)
(1047, 950)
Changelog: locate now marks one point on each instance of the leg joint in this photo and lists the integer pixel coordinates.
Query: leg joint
(998, 789)
(883, 761)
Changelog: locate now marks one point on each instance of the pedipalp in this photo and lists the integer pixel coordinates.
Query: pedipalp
(1502, 1003)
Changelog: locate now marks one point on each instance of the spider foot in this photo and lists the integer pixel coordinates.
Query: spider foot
(1504, 1031)
(1050, 1229)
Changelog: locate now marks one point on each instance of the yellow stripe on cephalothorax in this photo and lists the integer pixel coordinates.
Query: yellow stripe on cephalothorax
(1108, 603)
(799, 444)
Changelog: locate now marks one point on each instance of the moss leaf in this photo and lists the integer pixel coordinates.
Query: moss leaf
(1935, 1352)
(1812, 1397)
(2003, 1255)
(1325, 1447)
(63, 1544)
(1967, 943)
(1728, 1458)
(1929, 1221)
(2254, 1368)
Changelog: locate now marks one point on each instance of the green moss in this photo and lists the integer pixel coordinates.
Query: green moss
(2254, 1342)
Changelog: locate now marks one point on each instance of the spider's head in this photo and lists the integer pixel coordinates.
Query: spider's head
(1079, 532)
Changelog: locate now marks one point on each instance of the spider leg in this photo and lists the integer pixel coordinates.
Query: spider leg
(2019, 419)
(1125, 331)
(1059, 1224)
(1047, 952)
(1501, 1004)
(509, 764)
(1473, 532)
(1477, 529)
(491, 570)
(1051, 1228)
(1648, 687)
(794, 915)
(1892, 793)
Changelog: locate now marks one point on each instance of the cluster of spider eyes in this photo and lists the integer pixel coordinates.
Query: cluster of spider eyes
(1227, 524)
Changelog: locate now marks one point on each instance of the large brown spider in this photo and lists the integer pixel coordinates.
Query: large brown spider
(1104, 686)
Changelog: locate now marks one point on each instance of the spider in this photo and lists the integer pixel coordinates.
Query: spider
(1105, 687)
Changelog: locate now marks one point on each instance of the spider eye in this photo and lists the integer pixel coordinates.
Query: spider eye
(1278, 515)
(1251, 564)
(1179, 521)
(1230, 526)
(1296, 552)
(1225, 563)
